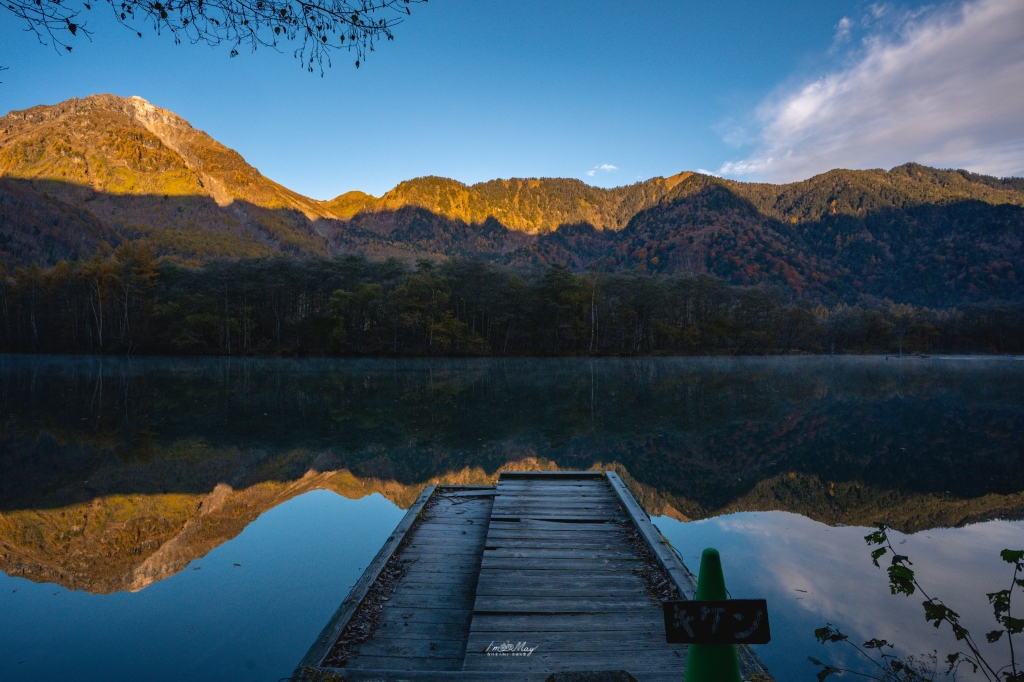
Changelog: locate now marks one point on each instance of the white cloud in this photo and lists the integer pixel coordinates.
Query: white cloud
(606, 167)
(945, 88)
(812, 574)
(878, 11)
(842, 31)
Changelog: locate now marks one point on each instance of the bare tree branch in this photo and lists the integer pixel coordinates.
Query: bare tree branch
(317, 26)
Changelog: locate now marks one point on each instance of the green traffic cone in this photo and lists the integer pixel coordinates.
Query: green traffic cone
(712, 662)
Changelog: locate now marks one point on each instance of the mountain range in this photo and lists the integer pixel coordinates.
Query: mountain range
(81, 177)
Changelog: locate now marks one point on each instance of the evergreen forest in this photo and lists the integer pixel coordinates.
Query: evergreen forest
(132, 302)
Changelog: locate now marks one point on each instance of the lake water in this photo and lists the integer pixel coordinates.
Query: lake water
(200, 519)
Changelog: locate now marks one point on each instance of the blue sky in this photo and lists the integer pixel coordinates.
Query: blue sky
(608, 92)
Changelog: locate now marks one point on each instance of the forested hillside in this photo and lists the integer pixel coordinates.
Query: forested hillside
(85, 177)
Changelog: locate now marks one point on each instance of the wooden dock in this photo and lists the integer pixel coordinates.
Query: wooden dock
(544, 573)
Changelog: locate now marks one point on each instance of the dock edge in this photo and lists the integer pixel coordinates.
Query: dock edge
(336, 625)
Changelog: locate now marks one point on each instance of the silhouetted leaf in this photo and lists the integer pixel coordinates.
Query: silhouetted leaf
(901, 580)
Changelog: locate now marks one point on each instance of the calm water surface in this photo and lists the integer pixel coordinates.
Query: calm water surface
(173, 519)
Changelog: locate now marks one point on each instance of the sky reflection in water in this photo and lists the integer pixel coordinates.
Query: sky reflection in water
(813, 574)
(212, 621)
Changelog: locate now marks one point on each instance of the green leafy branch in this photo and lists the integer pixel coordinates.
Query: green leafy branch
(903, 580)
(887, 667)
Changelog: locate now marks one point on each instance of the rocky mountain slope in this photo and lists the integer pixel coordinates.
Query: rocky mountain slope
(81, 177)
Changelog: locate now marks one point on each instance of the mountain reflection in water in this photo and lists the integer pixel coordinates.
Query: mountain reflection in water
(116, 473)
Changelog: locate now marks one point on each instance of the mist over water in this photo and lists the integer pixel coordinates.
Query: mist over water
(119, 477)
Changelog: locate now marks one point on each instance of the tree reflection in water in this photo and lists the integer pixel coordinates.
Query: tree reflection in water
(117, 472)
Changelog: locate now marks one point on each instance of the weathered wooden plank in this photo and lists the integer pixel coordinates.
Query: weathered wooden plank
(505, 500)
(569, 637)
(399, 628)
(609, 584)
(511, 507)
(608, 541)
(564, 519)
(505, 604)
(619, 580)
(524, 526)
(552, 483)
(580, 591)
(466, 561)
(423, 578)
(662, 550)
(553, 499)
(593, 660)
(506, 488)
(569, 490)
(554, 486)
(413, 648)
(506, 506)
(437, 536)
(464, 486)
(624, 643)
(597, 495)
(456, 519)
(575, 640)
(588, 503)
(579, 622)
(420, 547)
(561, 564)
(440, 598)
(454, 564)
(434, 613)
(428, 551)
(553, 539)
(556, 532)
(548, 475)
(530, 579)
(424, 589)
(508, 544)
(534, 491)
(460, 515)
(404, 663)
(378, 675)
(339, 620)
(567, 495)
(571, 553)
(458, 511)
(539, 524)
(550, 509)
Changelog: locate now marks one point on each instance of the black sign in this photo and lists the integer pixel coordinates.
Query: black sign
(729, 621)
